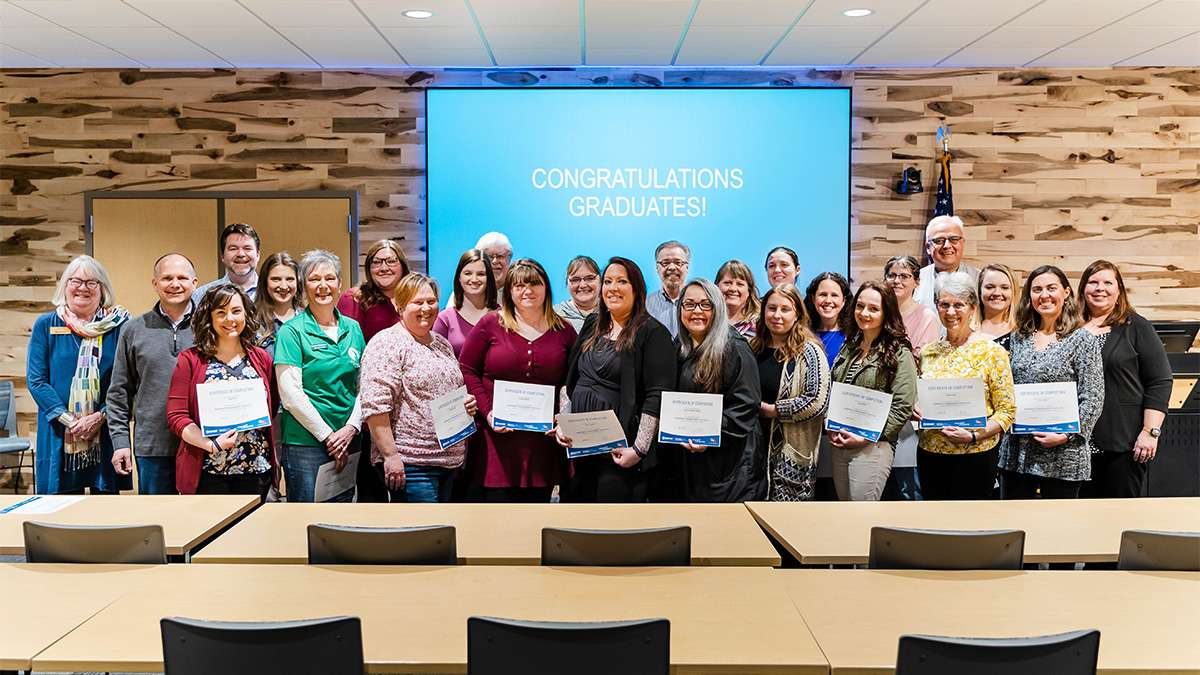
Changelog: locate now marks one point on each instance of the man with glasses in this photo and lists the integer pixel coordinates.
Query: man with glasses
(945, 243)
(239, 255)
(499, 253)
(146, 355)
(671, 259)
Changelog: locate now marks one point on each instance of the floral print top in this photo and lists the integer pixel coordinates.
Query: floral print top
(250, 455)
(982, 359)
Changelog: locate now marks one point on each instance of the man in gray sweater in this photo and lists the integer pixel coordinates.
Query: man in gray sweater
(146, 356)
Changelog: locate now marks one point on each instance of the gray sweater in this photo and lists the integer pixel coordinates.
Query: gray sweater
(141, 376)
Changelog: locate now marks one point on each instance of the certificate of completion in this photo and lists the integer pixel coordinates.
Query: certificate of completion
(524, 407)
(232, 405)
(331, 482)
(1048, 407)
(951, 403)
(451, 422)
(690, 417)
(858, 410)
(592, 433)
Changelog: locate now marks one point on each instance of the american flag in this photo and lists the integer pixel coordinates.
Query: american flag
(943, 204)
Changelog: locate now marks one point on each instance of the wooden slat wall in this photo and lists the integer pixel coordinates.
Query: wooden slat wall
(1058, 166)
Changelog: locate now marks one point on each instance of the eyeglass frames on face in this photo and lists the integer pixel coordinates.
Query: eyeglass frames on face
(672, 263)
(90, 284)
(691, 306)
(939, 242)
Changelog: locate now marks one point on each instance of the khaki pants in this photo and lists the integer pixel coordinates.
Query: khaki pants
(859, 475)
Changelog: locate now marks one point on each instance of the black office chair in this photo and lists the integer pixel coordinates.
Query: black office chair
(136, 544)
(1063, 654)
(346, 545)
(11, 443)
(654, 547)
(894, 548)
(1147, 550)
(509, 647)
(331, 646)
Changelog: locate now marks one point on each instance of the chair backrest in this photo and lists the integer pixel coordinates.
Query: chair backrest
(52, 543)
(8, 408)
(1147, 550)
(346, 545)
(1063, 654)
(330, 646)
(895, 548)
(663, 546)
(508, 647)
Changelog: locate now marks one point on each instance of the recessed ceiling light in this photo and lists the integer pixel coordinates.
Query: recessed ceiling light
(858, 12)
(418, 13)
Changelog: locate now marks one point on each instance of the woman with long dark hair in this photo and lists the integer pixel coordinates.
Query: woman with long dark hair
(278, 297)
(474, 295)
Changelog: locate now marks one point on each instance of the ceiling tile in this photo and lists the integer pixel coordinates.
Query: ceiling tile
(1168, 13)
(15, 58)
(250, 46)
(517, 56)
(814, 37)
(74, 14)
(975, 56)
(921, 36)
(748, 12)
(1179, 53)
(493, 13)
(1046, 37)
(952, 13)
(391, 12)
(1136, 39)
(12, 16)
(1075, 56)
(460, 58)
(917, 57)
(307, 13)
(154, 46)
(1074, 13)
(66, 48)
(803, 55)
(345, 47)
(624, 14)
(651, 39)
(433, 38)
(727, 46)
(886, 12)
(181, 14)
(507, 37)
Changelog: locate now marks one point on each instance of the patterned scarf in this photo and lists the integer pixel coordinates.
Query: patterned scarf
(85, 383)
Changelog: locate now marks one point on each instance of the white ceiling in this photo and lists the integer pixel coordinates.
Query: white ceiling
(508, 33)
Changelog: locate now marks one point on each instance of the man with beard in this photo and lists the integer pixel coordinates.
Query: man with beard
(239, 254)
(671, 259)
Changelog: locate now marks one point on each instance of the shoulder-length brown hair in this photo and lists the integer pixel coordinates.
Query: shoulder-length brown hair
(1012, 285)
(1028, 319)
(369, 293)
(529, 272)
(1123, 310)
(489, 292)
(202, 327)
(739, 270)
(638, 316)
(892, 337)
(793, 344)
(263, 305)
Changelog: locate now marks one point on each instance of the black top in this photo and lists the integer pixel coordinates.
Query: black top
(1137, 376)
(729, 473)
(599, 386)
(770, 372)
(646, 371)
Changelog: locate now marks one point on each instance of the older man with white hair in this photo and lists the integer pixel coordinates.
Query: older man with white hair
(498, 251)
(945, 241)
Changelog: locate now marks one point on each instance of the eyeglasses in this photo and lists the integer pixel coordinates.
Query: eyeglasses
(590, 279)
(672, 263)
(959, 307)
(90, 284)
(376, 263)
(500, 256)
(898, 276)
(939, 242)
(692, 305)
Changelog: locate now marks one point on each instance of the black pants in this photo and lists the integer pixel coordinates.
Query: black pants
(945, 476)
(598, 479)
(369, 481)
(237, 484)
(1026, 486)
(517, 495)
(1116, 474)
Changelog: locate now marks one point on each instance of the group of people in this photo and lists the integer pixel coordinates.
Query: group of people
(352, 373)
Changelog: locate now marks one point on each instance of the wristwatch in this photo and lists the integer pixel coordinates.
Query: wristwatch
(1154, 432)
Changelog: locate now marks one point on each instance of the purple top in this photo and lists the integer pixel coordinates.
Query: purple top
(922, 325)
(491, 352)
(372, 320)
(452, 326)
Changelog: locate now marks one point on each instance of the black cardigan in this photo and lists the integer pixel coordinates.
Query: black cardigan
(1137, 376)
(646, 373)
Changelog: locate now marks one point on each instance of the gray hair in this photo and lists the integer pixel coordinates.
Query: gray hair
(315, 258)
(945, 220)
(92, 268)
(672, 243)
(958, 284)
(494, 240)
(906, 260)
(711, 349)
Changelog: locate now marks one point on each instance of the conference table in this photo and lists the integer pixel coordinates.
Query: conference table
(187, 520)
(1067, 530)
(495, 534)
(1148, 621)
(414, 619)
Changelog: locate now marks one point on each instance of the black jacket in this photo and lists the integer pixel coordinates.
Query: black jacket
(646, 372)
(1137, 376)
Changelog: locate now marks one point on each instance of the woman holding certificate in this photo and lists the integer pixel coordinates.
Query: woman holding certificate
(406, 369)
(958, 460)
(714, 359)
(825, 301)
(1137, 385)
(876, 356)
(1048, 348)
(623, 361)
(220, 400)
(474, 295)
(736, 282)
(316, 363)
(794, 375)
(525, 343)
(68, 368)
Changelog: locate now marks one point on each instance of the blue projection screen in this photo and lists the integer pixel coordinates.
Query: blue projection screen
(604, 172)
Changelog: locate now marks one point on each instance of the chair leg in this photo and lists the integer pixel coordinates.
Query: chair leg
(20, 465)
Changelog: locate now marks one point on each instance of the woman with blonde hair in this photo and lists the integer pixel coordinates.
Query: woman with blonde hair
(997, 311)
(736, 282)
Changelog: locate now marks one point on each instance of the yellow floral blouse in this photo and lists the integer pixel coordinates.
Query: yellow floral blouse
(981, 358)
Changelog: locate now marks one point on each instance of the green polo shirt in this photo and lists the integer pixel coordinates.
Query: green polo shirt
(329, 368)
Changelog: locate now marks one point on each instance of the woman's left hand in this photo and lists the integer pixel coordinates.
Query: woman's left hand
(767, 410)
(470, 405)
(626, 458)
(957, 434)
(847, 441)
(86, 427)
(1145, 447)
(1049, 440)
(337, 442)
(692, 447)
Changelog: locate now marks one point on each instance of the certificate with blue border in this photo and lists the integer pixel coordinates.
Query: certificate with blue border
(451, 422)
(232, 405)
(694, 418)
(1047, 407)
(858, 410)
(592, 433)
(952, 402)
(522, 407)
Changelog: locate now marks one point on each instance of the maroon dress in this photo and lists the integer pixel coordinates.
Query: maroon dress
(377, 317)
(516, 459)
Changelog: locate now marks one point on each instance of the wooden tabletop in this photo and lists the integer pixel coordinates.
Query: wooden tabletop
(1067, 530)
(723, 619)
(1148, 621)
(187, 520)
(42, 603)
(495, 534)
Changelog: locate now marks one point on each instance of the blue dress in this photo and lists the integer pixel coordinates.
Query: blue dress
(50, 366)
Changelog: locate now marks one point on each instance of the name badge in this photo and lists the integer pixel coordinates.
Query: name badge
(60, 330)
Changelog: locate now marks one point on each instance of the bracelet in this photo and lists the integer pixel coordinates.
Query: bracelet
(639, 452)
(215, 446)
(974, 438)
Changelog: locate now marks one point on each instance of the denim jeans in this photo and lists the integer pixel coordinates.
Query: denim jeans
(156, 475)
(424, 484)
(300, 466)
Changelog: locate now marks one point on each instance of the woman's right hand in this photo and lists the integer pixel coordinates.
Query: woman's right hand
(916, 413)
(393, 472)
(563, 439)
(227, 440)
(492, 423)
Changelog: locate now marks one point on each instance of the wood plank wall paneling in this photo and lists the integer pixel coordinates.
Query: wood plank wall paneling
(1060, 166)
